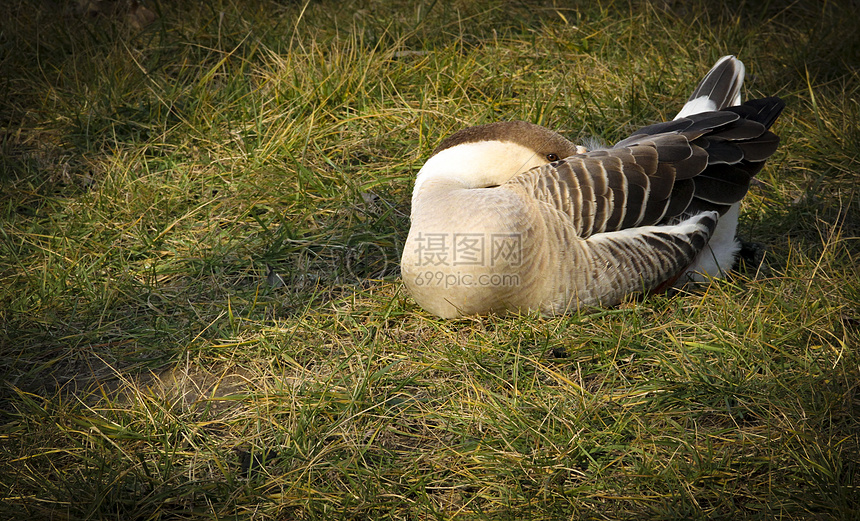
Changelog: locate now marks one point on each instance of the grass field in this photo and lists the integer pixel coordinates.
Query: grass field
(202, 317)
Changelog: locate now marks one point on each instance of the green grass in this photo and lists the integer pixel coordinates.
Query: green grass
(200, 225)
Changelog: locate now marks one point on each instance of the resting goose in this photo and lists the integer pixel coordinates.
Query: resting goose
(512, 216)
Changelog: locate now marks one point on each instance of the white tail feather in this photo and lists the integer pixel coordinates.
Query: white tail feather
(720, 88)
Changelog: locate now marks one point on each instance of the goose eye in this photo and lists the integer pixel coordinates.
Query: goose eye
(551, 157)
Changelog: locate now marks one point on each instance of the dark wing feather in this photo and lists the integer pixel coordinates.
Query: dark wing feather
(703, 162)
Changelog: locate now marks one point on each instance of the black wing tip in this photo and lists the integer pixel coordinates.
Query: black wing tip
(761, 110)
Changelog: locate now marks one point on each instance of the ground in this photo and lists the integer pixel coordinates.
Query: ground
(202, 213)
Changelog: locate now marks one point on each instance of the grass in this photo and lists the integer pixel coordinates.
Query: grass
(200, 226)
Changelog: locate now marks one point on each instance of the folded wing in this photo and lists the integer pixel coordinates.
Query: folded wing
(662, 172)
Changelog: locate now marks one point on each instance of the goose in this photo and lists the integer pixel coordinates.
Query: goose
(512, 217)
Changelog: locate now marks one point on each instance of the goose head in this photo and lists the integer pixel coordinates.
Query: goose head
(489, 155)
